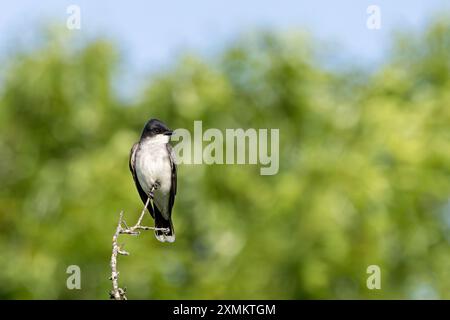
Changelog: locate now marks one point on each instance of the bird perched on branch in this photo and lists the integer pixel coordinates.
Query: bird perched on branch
(154, 171)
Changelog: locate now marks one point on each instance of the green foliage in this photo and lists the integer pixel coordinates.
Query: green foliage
(364, 174)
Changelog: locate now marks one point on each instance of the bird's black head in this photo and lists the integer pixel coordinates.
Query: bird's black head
(155, 127)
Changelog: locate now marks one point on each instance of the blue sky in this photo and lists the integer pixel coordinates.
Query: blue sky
(151, 33)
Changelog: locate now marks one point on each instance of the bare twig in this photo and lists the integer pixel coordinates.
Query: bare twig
(118, 293)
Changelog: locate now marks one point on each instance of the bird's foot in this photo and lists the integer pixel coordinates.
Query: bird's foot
(155, 186)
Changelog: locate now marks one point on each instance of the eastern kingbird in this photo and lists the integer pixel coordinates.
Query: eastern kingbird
(154, 171)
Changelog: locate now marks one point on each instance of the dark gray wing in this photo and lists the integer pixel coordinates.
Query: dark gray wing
(173, 185)
(131, 163)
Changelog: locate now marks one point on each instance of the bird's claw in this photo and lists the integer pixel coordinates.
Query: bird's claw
(155, 186)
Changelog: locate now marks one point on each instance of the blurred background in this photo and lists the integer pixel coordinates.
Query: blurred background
(364, 119)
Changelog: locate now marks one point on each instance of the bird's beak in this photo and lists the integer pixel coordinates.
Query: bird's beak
(168, 133)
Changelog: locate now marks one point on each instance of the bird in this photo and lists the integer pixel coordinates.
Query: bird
(152, 165)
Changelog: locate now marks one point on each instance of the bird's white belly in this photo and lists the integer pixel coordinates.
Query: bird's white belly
(153, 166)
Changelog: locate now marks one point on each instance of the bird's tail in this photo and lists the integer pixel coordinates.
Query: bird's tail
(161, 222)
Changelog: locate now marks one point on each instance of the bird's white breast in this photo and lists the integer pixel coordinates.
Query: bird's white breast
(153, 165)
